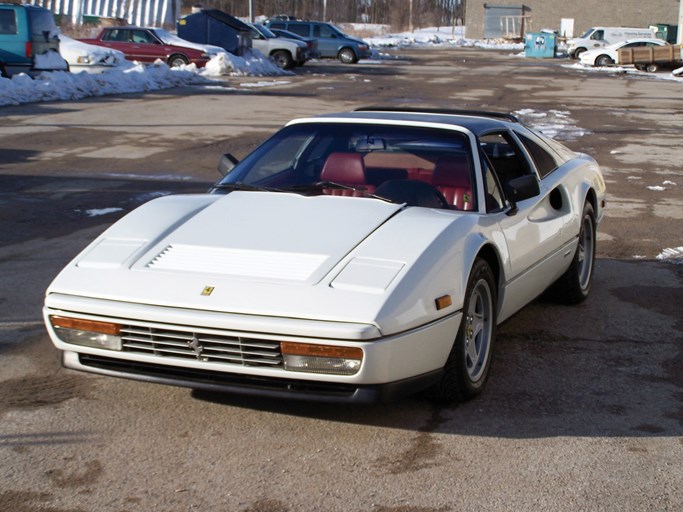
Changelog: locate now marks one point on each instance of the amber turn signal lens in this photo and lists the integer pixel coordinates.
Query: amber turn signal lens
(308, 349)
(80, 324)
(443, 302)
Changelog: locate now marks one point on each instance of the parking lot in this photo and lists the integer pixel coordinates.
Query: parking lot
(584, 409)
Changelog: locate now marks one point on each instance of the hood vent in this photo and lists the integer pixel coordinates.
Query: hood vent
(258, 264)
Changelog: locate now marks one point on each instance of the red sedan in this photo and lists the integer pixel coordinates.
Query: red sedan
(149, 44)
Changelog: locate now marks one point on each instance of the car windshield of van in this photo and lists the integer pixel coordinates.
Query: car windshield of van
(586, 33)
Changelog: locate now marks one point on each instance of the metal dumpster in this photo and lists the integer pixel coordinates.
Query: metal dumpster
(211, 26)
(540, 45)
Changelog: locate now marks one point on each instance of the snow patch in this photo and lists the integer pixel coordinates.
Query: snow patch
(656, 188)
(96, 212)
(672, 255)
(556, 124)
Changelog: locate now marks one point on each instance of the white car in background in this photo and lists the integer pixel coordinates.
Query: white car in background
(609, 55)
(88, 57)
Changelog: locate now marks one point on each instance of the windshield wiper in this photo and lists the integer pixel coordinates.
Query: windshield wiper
(244, 186)
(320, 185)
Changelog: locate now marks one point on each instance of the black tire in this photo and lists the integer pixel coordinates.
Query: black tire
(604, 60)
(283, 59)
(652, 67)
(575, 284)
(177, 60)
(468, 365)
(578, 52)
(347, 56)
(3, 71)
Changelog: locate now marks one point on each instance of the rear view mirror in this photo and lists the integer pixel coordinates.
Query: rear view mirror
(521, 188)
(226, 163)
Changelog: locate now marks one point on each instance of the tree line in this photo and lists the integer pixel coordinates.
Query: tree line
(399, 14)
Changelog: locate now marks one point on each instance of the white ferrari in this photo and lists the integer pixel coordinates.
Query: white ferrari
(358, 256)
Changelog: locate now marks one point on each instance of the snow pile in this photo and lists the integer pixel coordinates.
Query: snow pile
(60, 85)
(438, 36)
(671, 255)
(130, 77)
(253, 63)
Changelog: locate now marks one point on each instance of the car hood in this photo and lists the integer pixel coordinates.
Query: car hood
(276, 254)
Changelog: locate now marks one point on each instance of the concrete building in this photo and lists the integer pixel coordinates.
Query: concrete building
(510, 18)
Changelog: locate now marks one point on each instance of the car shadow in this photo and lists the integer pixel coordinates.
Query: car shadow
(558, 371)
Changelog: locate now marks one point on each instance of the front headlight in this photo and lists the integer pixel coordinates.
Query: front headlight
(310, 358)
(88, 333)
(84, 59)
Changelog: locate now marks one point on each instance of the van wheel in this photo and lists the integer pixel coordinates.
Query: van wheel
(283, 59)
(578, 52)
(347, 56)
(176, 61)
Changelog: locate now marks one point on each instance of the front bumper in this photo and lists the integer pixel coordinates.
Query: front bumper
(278, 388)
(397, 362)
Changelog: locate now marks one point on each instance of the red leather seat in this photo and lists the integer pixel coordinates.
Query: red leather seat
(452, 177)
(346, 169)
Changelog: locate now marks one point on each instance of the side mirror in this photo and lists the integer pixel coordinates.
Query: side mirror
(521, 188)
(226, 163)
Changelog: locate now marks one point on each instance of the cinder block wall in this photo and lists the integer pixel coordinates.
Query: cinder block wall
(586, 13)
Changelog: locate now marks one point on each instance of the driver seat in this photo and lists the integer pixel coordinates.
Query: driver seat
(346, 169)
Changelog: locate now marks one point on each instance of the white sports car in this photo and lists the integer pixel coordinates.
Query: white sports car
(359, 256)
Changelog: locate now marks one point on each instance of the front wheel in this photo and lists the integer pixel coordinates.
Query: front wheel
(175, 61)
(468, 364)
(575, 283)
(604, 60)
(282, 59)
(652, 67)
(347, 56)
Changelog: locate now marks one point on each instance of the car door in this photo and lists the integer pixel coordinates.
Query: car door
(328, 42)
(146, 47)
(13, 38)
(533, 228)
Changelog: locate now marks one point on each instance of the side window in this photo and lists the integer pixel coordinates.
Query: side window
(280, 26)
(495, 200)
(142, 36)
(505, 156)
(302, 30)
(326, 32)
(544, 161)
(8, 22)
(598, 35)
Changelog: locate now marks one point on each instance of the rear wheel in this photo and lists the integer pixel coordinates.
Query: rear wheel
(652, 67)
(604, 60)
(468, 364)
(347, 56)
(175, 61)
(283, 59)
(575, 283)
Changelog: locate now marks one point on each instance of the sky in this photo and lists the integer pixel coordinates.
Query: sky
(128, 77)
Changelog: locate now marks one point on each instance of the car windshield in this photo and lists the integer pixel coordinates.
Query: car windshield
(264, 31)
(360, 160)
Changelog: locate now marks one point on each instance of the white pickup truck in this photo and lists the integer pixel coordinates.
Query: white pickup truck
(285, 52)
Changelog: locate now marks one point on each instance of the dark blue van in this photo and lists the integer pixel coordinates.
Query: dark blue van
(29, 40)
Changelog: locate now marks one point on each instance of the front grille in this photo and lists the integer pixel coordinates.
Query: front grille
(215, 348)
